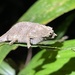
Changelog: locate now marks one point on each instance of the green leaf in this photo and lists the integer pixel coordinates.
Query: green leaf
(6, 69)
(53, 61)
(5, 49)
(69, 45)
(44, 11)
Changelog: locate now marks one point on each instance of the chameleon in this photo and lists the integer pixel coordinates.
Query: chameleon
(27, 32)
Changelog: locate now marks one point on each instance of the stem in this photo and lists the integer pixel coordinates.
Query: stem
(29, 56)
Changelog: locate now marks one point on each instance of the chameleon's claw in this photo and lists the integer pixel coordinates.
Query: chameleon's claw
(53, 35)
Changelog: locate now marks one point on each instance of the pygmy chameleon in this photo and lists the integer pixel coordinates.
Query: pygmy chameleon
(27, 32)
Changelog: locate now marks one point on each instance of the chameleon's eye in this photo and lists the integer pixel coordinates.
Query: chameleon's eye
(50, 33)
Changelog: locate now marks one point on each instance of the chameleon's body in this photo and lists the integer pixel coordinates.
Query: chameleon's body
(27, 32)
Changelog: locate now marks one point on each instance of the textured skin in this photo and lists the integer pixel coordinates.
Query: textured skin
(27, 32)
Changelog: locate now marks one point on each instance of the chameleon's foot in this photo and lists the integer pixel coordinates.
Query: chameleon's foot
(11, 42)
(28, 45)
(28, 42)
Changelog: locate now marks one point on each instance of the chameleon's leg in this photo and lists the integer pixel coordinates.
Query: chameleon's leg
(13, 41)
(28, 42)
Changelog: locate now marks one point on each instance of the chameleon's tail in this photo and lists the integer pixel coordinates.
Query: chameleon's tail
(2, 39)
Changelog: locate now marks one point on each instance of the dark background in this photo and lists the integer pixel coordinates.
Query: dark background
(11, 11)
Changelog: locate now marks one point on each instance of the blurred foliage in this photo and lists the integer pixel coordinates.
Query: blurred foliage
(54, 56)
(44, 11)
(6, 69)
(52, 61)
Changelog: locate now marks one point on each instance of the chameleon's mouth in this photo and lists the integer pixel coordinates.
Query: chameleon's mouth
(53, 35)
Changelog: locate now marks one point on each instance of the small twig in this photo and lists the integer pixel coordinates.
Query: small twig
(63, 38)
(29, 56)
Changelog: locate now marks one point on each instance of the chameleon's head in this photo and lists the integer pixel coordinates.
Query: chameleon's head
(50, 32)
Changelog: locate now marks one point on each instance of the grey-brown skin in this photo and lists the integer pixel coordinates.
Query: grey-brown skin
(27, 32)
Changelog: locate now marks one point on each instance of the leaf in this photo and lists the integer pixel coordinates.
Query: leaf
(6, 69)
(69, 45)
(52, 62)
(5, 49)
(44, 11)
